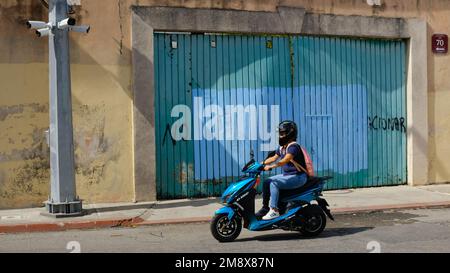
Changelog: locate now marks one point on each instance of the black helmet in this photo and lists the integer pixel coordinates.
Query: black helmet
(287, 132)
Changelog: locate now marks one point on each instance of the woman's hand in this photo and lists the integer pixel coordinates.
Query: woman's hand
(269, 167)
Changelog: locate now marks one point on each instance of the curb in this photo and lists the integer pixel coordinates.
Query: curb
(64, 226)
(192, 220)
(138, 221)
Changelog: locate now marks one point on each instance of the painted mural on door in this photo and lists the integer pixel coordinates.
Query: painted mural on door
(221, 96)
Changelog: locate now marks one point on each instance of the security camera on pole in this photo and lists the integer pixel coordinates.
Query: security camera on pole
(63, 200)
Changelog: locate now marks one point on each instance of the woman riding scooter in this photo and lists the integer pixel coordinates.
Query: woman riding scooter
(292, 177)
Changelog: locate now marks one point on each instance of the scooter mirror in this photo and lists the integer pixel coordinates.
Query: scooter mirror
(251, 162)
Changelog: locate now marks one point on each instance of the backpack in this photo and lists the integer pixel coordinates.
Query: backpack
(309, 164)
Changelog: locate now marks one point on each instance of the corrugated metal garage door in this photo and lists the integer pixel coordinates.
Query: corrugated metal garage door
(346, 95)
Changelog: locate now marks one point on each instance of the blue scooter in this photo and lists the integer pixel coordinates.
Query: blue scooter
(297, 210)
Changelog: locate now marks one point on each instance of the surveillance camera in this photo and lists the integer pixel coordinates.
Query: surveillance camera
(36, 24)
(81, 29)
(66, 23)
(43, 32)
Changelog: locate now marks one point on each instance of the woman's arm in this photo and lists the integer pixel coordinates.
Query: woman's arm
(270, 160)
(280, 163)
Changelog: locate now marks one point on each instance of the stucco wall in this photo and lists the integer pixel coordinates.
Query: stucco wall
(102, 103)
(102, 92)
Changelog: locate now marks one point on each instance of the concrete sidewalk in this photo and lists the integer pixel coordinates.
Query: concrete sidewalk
(201, 210)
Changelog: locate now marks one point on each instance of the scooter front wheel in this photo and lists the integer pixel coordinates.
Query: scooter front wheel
(225, 230)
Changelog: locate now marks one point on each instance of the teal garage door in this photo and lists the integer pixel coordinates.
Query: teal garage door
(219, 97)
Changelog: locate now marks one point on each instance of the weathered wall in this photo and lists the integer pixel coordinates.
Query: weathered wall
(102, 102)
(102, 96)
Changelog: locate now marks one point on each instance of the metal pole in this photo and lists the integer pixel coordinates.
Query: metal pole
(63, 200)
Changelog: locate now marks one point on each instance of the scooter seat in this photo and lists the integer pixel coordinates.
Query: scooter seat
(311, 183)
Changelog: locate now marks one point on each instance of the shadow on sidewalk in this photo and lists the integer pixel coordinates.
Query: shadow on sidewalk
(327, 233)
(190, 202)
(156, 205)
(117, 208)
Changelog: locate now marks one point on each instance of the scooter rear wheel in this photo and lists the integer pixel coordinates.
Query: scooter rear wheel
(316, 220)
(224, 230)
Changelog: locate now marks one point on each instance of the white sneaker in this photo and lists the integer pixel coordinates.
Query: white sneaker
(272, 214)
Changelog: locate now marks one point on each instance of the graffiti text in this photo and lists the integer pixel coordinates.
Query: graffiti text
(385, 124)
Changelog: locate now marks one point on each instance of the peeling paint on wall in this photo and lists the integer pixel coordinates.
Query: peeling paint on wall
(24, 167)
(6, 111)
(92, 149)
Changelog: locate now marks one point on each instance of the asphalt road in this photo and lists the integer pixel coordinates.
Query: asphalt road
(392, 231)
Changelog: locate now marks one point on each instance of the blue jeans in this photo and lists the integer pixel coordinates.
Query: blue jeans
(284, 182)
